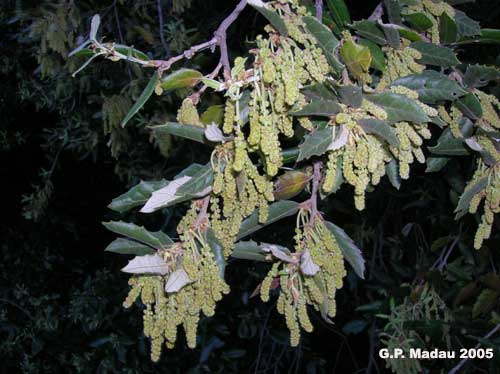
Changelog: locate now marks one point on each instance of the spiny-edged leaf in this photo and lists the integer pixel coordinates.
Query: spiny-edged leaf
(198, 184)
(435, 164)
(181, 78)
(147, 264)
(316, 143)
(448, 145)
(349, 249)
(213, 114)
(379, 128)
(392, 35)
(162, 197)
(431, 86)
(190, 132)
(399, 107)
(143, 98)
(469, 192)
(277, 211)
(487, 36)
(129, 247)
(351, 95)
(466, 26)
(248, 250)
(340, 137)
(356, 57)
(290, 184)
(326, 41)
(176, 280)
(217, 251)
(418, 21)
(378, 57)
(484, 302)
(155, 240)
(392, 171)
(273, 17)
(290, 155)
(324, 108)
(340, 12)
(370, 30)
(436, 55)
(136, 196)
(448, 30)
(479, 76)
(470, 106)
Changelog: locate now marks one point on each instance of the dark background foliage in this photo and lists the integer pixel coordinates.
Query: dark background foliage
(61, 295)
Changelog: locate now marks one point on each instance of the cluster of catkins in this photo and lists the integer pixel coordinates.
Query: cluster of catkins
(311, 276)
(400, 63)
(490, 194)
(239, 189)
(193, 285)
(283, 64)
(364, 156)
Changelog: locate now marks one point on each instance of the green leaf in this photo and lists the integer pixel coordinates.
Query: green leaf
(392, 35)
(123, 49)
(409, 34)
(379, 128)
(190, 132)
(435, 164)
(277, 211)
(399, 107)
(155, 240)
(392, 171)
(466, 26)
(370, 30)
(290, 155)
(354, 327)
(418, 21)
(326, 41)
(466, 197)
(217, 251)
(290, 184)
(213, 114)
(340, 12)
(316, 143)
(181, 78)
(480, 76)
(448, 30)
(378, 57)
(448, 145)
(197, 184)
(356, 57)
(349, 249)
(470, 106)
(436, 55)
(487, 36)
(319, 91)
(431, 86)
(129, 247)
(249, 250)
(351, 95)
(324, 108)
(273, 17)
(136, 196)
(145, 95)
(393, 9)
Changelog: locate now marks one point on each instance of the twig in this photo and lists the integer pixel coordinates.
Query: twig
(195, 98)
(463, 361)
(160, 25)
(220, 35)
(319, 10)
(378, 12)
